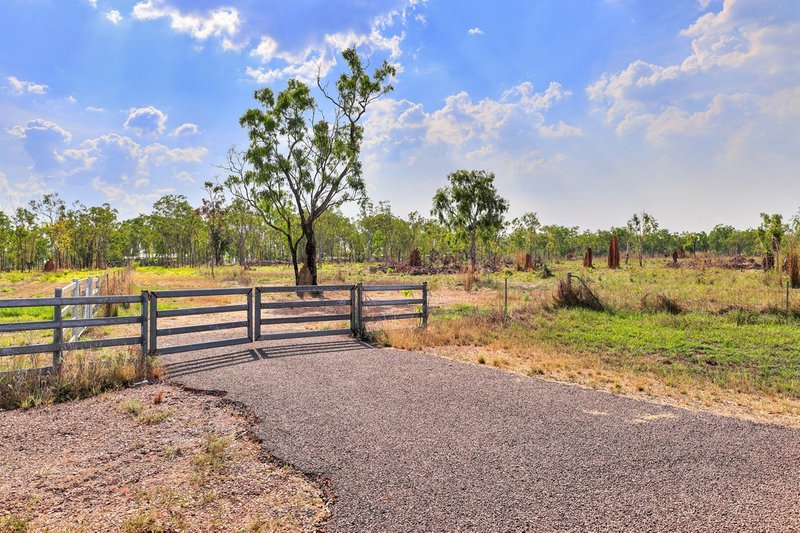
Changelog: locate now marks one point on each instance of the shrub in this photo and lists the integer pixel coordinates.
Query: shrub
(570, 295)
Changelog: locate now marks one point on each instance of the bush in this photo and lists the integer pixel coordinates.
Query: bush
(570, 295)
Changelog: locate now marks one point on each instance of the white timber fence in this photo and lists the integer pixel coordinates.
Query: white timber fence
(91, 286)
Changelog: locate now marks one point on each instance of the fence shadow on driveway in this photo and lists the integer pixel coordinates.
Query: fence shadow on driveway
(228, 357)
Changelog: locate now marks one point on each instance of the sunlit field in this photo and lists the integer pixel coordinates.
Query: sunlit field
(705, 336)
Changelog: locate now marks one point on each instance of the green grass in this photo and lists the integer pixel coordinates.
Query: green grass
(701, 344)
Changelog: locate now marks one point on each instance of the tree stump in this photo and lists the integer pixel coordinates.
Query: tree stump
(587, 258)
(414, 259)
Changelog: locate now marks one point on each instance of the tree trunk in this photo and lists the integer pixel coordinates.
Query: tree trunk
(293, 253)
(473, 253)
(311, 251)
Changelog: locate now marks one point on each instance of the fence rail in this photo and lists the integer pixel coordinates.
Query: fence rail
(60, 323)
(253, 322)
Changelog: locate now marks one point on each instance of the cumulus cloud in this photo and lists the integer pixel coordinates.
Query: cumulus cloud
(13, 195)
(319, 57)
(42, 139)
(114, 16)
(510, 135)
(146, 120)
(186, 129)
(473, 32)
(184, 176)
(740, 58)
(223, 22)
(19, 86)
(127, 203)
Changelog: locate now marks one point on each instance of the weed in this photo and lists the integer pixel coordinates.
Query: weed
(481, 360)
(158, 398)
(14, 523)
(131, 407)
(145, 522)
(152, 418)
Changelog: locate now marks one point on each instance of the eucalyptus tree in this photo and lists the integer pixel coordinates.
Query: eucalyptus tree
(6, 236)
(641, 228)
(525, 232)
(213, 213)
(306, 156)
(470, 205)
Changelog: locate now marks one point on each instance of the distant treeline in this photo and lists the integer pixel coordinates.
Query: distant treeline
(224, 231)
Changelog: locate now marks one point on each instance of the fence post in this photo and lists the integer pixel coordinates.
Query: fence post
(353, 310)
(360, 310)
(424, 304)
(153, 323)
(58, 333)
(257, 315)
(250, 315)
(89, 292)
(505, 302)
(145, 324)
(77, 310)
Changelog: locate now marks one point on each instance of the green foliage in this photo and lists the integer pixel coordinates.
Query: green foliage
(470, 205)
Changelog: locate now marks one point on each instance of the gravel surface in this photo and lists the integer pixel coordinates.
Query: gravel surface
(152, 458)
(416, 442)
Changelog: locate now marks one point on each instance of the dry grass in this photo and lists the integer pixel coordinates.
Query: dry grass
(82, 375)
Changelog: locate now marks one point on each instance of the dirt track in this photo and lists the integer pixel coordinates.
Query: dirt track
(415, 442)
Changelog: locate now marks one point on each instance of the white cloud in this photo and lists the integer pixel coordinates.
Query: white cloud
(739, 58)
(128, 204)
(223, 22)
(42, 139)
(320, 57)
(186, 129)
(16, 194)
(184, 176)
(146, 120)
(93, 109)
(114, 16)
(19, 86)
(71, 99)
(266, 49)
(509, 135)
(474, 31)
(92, 3)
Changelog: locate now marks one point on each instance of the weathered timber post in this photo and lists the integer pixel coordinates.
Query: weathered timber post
(257, 315)
(360, 310)
(424, 304)
(153, 323)
(58, 333)
(353, 322)
(145, 324)
(250, 334)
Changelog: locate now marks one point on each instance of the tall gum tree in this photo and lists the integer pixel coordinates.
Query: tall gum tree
(470, 205)
(310, 152)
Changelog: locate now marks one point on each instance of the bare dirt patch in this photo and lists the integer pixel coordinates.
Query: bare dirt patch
(154, 458)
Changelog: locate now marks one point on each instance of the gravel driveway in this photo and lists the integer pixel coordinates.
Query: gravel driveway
(416, 442)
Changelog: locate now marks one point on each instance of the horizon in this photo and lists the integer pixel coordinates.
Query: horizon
(596, 110)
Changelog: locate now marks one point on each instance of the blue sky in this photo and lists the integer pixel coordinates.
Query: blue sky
(587, 111)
